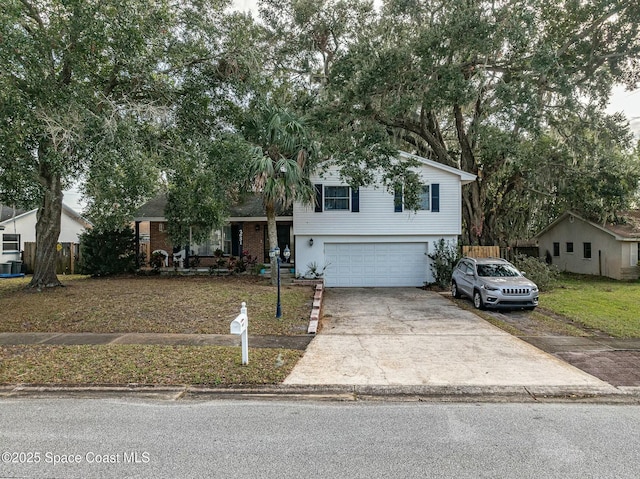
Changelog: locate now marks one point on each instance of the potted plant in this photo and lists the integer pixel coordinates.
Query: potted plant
(314, 272)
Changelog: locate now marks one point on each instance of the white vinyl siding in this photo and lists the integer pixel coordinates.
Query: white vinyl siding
(376, 243)
(376, 214)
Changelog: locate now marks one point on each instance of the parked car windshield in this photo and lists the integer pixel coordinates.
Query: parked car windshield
(497, 270)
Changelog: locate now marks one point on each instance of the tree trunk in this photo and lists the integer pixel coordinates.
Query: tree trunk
(473, 213)
(48, 231)
(272, 233)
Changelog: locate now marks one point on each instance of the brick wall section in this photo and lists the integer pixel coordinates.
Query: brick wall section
(159, 239)
(253, 241)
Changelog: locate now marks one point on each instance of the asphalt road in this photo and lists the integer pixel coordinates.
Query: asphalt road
(75, 438)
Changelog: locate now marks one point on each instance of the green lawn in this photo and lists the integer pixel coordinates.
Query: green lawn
(157, 304)
(610, 306)
(141, 364)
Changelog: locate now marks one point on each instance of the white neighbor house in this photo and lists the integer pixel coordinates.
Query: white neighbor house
(368, 238)
(21, 229)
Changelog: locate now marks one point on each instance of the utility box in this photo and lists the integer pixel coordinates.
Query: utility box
(5, 268)
(16, 267)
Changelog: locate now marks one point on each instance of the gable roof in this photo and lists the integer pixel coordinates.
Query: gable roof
(465, 178)
(629, 231)
(7, 212)
(152, 210)
(250, 207)
(6, 215)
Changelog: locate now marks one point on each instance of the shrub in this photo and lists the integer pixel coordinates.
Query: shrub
(194, 260)
(538, 271)
(443, 260)
(106, 253)
(245, 263)
(157, 260)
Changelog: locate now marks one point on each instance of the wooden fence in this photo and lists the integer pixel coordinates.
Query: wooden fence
(508, 253)
(481, 251)
(67, 261)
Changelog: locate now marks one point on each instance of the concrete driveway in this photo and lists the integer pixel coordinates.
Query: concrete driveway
(412, 337)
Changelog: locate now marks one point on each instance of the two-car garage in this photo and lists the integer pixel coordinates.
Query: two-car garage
(376, 264)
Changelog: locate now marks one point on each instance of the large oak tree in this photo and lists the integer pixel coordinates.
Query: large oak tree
(94, 91)
(512, 91)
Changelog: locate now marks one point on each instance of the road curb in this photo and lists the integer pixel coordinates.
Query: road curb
(489, 394)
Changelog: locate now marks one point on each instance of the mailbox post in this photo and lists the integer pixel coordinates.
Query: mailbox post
(240, 326)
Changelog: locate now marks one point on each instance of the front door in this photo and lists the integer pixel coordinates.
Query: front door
(235, 240)
(284, 240)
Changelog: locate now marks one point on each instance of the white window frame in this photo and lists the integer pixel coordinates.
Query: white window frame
(327, 200)
(425, 198)
(6, 243)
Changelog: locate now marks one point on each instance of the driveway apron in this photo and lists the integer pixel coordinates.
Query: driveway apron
(411, 337)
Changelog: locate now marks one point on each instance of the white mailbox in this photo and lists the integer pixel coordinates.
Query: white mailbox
(240, 326)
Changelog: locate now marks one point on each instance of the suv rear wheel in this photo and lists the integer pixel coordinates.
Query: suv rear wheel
(454, 290)
(477, 300)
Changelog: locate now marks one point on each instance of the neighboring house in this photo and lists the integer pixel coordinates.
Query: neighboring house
(246, 230)
(366, 237)
(577, 245)
(20, 228)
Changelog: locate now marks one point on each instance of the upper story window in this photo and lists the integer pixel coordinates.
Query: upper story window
(429, 198)
(425, 198)
(10, 242)
(397, 198)
(336, 198)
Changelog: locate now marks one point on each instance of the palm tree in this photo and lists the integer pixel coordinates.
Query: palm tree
(280, 172)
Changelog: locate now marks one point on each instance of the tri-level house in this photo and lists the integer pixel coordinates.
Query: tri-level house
(363, 237)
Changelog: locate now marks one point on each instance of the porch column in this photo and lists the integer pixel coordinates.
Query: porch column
(137, 238)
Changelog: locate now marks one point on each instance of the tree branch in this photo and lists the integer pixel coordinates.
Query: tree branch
(463, 139)
(432, 140)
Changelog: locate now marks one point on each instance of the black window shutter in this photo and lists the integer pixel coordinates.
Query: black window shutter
(435, 197)
(397, 199)
(318, 198)
(355, 200)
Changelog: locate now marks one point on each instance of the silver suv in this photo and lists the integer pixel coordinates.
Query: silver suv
(493, 283)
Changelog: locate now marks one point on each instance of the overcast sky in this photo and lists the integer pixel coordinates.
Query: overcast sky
(629, 103)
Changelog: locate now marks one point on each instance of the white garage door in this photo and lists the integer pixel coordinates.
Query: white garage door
(376, 264)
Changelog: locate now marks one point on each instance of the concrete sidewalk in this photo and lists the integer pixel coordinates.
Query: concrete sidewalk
(166, 339)
(412, 337)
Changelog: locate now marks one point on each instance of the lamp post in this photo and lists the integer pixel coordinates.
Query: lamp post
(275, 252)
